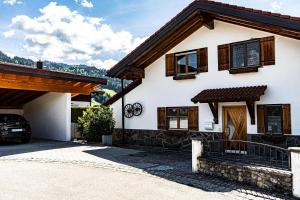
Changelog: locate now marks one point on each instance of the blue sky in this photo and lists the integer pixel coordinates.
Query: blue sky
(95, 32)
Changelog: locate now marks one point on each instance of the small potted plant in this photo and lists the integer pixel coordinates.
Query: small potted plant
(97, 124)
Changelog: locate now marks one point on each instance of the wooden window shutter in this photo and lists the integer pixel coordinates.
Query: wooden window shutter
(223, 57)
(161, 119)
(261, 119)
(193, 118)
(170, 65)
(286, 118)
(267, 51)
(202, 60)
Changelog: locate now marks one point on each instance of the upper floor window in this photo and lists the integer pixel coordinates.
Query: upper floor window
(186, 63)
(245, 54)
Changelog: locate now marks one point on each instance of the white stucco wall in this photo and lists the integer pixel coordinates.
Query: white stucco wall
(157, 90)
(50, 116)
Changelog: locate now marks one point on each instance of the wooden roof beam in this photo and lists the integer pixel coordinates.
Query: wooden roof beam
(208, 21)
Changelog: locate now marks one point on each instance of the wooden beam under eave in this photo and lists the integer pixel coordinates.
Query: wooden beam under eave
(208, 21)
(171, 41)
(251, 110)
(214, 107)
(43, 87)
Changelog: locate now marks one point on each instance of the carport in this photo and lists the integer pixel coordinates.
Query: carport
(43, 97)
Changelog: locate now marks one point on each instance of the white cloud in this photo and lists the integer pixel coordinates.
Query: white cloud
(60, 34)
(12, 2)
(9, 34)
(85, 3)
(276, 6)
(106, 64)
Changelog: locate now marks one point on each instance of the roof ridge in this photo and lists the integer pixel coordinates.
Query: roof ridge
(275, 14)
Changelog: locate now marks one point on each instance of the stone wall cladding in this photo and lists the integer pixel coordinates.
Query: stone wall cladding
(161, 138)
(262, 177)
(285, 141)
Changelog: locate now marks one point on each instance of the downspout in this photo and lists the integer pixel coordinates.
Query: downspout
(123, 113)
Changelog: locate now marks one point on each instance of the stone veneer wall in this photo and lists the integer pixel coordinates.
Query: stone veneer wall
(265, 178)
(181, 140)
(284, 141)
(161, 138)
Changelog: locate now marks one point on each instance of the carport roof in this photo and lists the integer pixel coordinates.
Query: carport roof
(19, 77)
(9, 68)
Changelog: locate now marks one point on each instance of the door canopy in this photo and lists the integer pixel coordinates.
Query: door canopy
(238, 94)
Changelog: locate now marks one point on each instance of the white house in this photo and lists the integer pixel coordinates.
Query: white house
(217, 70)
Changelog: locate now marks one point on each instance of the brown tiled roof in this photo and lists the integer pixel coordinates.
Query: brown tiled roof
(276, 23)
(230, 94)
(288, 17)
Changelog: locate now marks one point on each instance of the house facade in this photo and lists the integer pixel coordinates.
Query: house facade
(215, 70)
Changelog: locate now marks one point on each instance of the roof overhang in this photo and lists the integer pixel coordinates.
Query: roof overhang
(203, 13)
(214, 96)
(237, 94)
(22, 78)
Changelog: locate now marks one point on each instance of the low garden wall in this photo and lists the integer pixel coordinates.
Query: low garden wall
(161, 138)
(262, 177)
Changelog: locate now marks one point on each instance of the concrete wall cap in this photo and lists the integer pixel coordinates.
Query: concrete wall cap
(294, 149)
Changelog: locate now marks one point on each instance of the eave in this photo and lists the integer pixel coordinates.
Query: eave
(203, 13)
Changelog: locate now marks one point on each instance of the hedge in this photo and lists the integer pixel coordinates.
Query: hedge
(76, 112)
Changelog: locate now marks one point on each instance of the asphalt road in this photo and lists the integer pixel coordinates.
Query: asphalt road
(33, 180)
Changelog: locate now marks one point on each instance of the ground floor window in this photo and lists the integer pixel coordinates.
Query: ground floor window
(177, 118)
(274, 119)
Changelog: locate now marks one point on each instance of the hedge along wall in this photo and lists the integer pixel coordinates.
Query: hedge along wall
(77, 112)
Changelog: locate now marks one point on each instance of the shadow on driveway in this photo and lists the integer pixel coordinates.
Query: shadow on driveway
(35, 145)
(176, 166)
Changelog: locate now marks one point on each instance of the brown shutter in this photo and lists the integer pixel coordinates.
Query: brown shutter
(286, 117)
(161, 118)
(202, 60)
(267, 51)
(170, 65)
(193, 118)
(261, 119)
(223, 57)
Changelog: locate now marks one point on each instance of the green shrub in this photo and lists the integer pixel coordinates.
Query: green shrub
(95, 122)
(77, 112)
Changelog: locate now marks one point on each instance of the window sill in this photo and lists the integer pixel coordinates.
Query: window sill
(184, 77)
(243, 70)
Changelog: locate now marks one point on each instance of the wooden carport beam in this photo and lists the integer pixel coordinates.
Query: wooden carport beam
(251, 110)
(20, 82)
(214, 109)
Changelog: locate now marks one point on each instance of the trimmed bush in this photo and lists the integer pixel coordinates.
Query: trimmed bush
(95, 122)
(77, 112)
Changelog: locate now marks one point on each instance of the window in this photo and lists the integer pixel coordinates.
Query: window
(177, 118)
(245, 54)
(186, 63)
(273, 119)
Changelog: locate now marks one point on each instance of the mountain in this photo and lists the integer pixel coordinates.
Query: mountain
(113, 84)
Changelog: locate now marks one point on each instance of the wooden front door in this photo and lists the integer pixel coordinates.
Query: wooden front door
(235, 123)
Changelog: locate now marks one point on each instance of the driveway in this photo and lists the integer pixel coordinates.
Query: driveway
(114, 170)
(33, 180)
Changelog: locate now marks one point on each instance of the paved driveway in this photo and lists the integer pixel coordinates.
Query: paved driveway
(169, 167)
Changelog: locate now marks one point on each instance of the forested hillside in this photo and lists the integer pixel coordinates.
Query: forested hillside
(112, 83)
